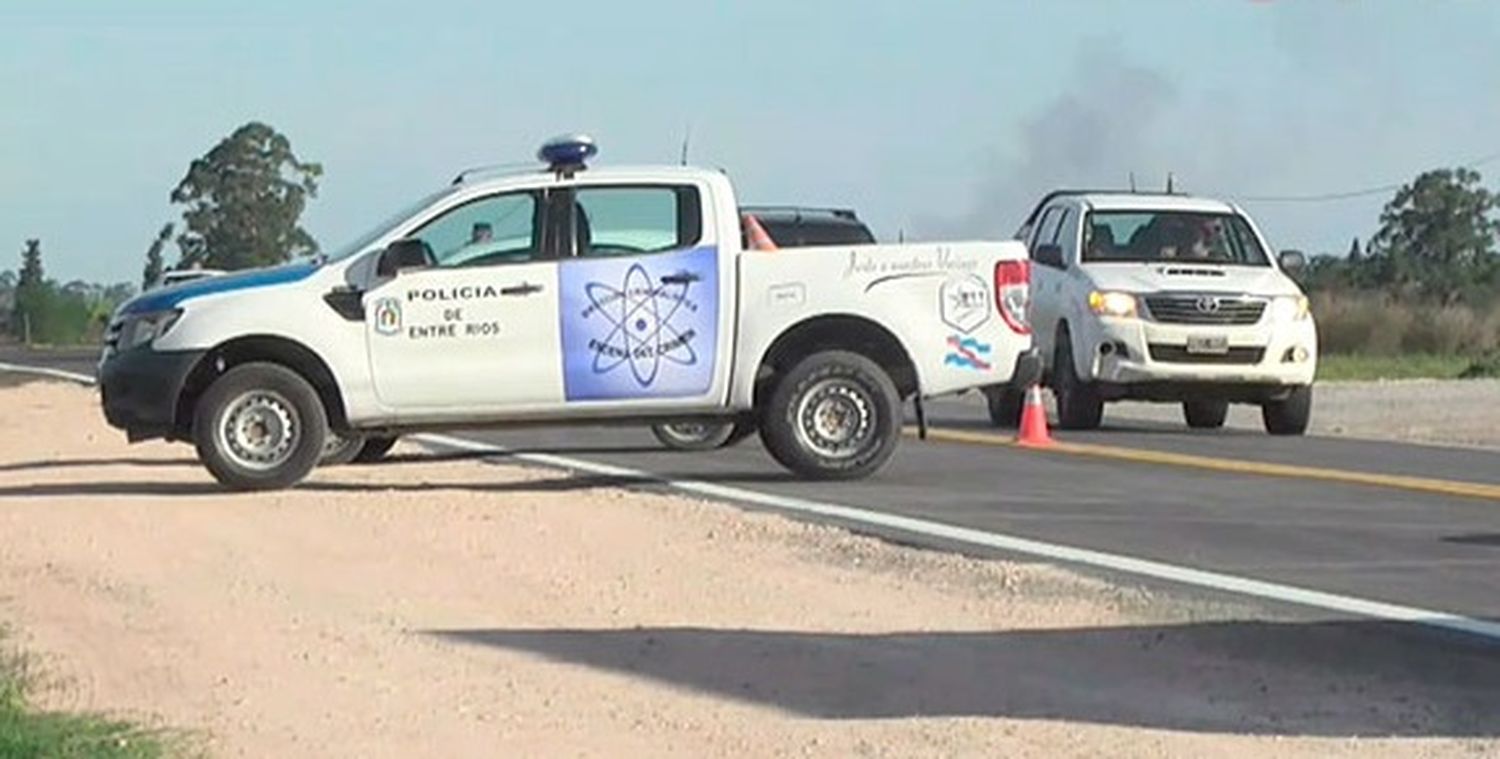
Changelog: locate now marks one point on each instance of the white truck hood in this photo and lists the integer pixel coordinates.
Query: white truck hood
(1182, 277)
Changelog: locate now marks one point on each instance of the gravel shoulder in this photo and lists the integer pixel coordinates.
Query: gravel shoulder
(464, 608)
(1435, 412)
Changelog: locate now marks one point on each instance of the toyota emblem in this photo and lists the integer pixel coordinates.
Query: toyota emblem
(1207, 304)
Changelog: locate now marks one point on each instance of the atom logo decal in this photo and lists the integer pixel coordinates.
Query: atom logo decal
(642, 317)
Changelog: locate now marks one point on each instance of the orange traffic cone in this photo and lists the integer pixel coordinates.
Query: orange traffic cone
(756, 234)
(1033, 430)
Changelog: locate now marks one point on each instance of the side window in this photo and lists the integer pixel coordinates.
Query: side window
(493, 230)
(1066, 235)
(1047, 230)
(631, 220)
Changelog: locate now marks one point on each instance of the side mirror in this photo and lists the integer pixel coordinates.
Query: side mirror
(409, 253)
(1292, 260)
(1049, 255)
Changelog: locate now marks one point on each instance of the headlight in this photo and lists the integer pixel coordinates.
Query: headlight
(142, 329)
(1112, 304)
(1289, 308)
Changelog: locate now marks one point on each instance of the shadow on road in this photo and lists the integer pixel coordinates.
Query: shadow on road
(21, 466)
(1313, 679)
(56, 489)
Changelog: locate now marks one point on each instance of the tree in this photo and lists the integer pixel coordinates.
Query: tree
(244, 199)
(154, 264)
(1356, 256)
(1437, 236)
(30, 285)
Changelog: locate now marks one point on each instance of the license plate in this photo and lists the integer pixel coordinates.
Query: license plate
(1210, 344)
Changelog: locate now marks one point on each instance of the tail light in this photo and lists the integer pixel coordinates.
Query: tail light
(1013, 294)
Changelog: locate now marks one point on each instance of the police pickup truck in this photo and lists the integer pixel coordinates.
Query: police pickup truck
(566, 295)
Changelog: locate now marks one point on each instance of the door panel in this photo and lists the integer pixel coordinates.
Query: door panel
(641, 329)
(446, 342)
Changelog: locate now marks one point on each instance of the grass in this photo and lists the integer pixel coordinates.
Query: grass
(26, 732)
(1355, 366)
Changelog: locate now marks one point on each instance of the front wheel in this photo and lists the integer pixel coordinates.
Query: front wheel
(835, 415)
(259, 426)
(1004, 405)
(1290, 415)
(1079, 405)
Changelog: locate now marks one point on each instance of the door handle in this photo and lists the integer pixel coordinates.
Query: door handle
(525, 288)
(680, 278)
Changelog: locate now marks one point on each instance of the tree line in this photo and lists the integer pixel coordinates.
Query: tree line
(242, 203)
(1436, 245)
(242, 207)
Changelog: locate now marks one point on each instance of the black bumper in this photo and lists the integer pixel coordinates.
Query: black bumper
(139, 390)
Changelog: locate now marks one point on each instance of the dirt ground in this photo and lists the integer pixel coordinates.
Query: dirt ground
(466, 608)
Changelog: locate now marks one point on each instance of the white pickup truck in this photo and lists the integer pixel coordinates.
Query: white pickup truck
(1164, 297)
(566, 295)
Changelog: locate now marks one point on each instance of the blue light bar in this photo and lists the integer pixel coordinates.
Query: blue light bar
(567, 151)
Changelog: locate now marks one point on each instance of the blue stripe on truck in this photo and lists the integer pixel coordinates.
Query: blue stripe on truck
(169, 297)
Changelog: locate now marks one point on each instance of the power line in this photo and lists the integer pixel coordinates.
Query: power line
(1330, 196)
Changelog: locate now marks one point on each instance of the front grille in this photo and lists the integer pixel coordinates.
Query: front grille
(1205, 309)
(1178, 354)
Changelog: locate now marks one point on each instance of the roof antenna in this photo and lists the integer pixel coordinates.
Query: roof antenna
(1132, 183)
(687, 137)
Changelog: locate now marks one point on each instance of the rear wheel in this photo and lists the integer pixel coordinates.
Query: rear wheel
(836, 415)
(259, 426)
(1205, 414)
(693, 436)
(374, 449)
(1079, 406)
(340, 449)
(1004, 405)
(1290, 415)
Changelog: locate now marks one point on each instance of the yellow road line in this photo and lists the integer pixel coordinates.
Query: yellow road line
(1146, 456)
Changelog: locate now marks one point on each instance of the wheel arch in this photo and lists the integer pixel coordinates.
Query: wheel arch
(857, 334)
(273, 349)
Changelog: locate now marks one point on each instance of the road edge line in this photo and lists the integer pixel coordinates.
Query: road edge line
(1120, 563)
(45, 372)
(1480, 490)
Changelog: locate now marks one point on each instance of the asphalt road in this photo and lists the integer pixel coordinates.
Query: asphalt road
(1371, 542)
(1418, 549)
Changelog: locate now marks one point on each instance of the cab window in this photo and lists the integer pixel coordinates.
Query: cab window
(1047, 231)
(624, 221)
(496, 229)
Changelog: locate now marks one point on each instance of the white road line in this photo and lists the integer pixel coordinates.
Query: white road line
(45, 372)
(1114, 562)
(1244, 586)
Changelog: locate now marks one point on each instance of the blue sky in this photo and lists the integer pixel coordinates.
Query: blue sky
(933, 119)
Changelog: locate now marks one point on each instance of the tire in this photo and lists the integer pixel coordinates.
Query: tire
(1079, 406)
(340, 449)
(693, 436)
(259, 426)
(742, 431)
(846, 390)
(1290, 415)
(374, 449)
(1004, 405)
(1205, 414)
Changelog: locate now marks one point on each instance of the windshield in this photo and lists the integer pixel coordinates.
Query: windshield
(384, 227)
(1171, 236)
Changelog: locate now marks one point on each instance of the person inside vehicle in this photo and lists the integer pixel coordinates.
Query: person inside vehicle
(1101, 244)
